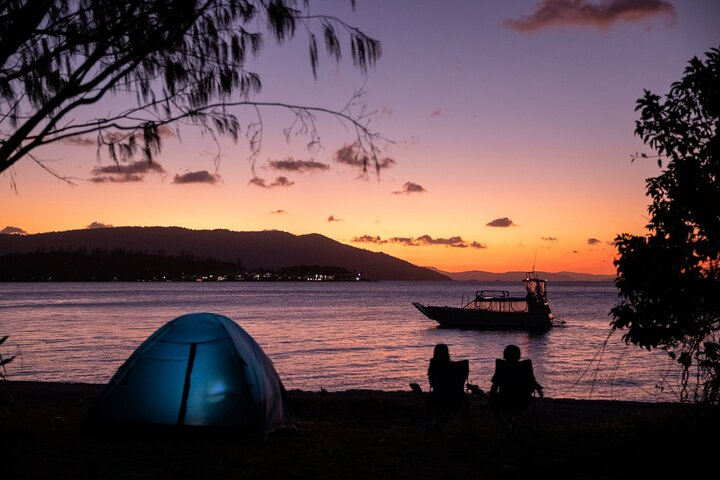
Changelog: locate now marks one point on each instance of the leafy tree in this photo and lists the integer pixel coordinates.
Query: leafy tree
(669, 279)
(183, 60)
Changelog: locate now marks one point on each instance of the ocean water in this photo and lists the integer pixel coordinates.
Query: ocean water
(335, 336)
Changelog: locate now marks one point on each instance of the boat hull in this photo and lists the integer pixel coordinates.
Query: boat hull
(486, 320)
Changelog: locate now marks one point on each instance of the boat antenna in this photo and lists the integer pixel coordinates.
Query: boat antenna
(534, 259)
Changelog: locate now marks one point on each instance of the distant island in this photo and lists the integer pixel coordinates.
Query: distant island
(125, 266)
(481, 276)
(179, 252)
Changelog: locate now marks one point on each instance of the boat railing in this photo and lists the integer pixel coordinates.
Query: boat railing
(508, 304)
(492, 294)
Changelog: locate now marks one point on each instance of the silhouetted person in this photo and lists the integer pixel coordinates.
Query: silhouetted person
(513, 383)
(447, 382)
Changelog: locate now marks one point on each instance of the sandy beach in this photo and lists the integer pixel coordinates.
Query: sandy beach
(362, 434)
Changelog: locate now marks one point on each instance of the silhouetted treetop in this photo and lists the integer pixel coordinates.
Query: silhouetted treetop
(669, 279)
(182, 60)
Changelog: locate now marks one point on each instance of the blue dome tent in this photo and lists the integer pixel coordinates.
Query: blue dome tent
(200, 370)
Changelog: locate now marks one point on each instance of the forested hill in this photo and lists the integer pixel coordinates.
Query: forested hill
(266, 250)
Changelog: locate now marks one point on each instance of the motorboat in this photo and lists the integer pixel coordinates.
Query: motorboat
(497, 309)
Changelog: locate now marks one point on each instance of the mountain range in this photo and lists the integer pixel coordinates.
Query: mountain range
(265, 250)
(481, 276)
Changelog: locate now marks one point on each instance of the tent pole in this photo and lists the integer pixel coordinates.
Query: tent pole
(186, 387)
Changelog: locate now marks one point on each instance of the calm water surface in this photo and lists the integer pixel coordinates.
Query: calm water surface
(335, 336)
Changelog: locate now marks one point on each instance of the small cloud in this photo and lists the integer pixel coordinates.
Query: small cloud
(549, 239)
(501, 222)
(79, 141)
(410, 187)
(96, 225)
(368, 239)
(126, 178)
(130, 172)
(9, 230)
(387, 111)
(477, 245)
(281, 182)
(354, 156)
(332, 218)
(351, 155)
(436, 113)
(575, 251)
(201, 176)
(258, 182)
(593, 241)
(583, 13)
(164, 131)
(278, 212)
(299, 166)
(278, 182)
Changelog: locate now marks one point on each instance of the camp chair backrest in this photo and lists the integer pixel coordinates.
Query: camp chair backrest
(447, 380)
(515, 381)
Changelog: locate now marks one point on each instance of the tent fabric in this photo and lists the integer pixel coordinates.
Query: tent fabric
(201, 369)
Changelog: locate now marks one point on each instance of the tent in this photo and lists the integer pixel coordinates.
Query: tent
(200, 370)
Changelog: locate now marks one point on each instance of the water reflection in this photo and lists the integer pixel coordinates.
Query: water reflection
(333, 336)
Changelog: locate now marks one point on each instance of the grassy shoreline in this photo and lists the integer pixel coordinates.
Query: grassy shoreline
(362, 434)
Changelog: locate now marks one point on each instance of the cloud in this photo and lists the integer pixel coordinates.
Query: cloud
(127, 178)
(130, 172)
(79, 141)
(421, 241)
(353, 156)
(501, 222)
(95, 225)
(436, 113)
(332, 218)
(368, 239)
(164, 131)
(456, 242)
(410, 187)
(602, 14)
(593, 241)
(299, 166)
(201, 176)
(278, 182)
(9, 230)
(141, 166)
(549, 239)
(278, 212)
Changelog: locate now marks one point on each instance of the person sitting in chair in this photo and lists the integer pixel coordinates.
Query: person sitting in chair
(447, 380)
(513, 383)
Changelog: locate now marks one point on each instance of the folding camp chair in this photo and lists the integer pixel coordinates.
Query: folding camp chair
(512, 397)
(448, 397)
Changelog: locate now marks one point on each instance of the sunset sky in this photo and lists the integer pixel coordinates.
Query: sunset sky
(509, 126)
